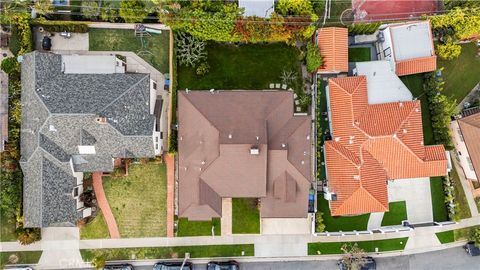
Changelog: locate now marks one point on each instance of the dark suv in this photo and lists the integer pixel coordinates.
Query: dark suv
(118, 267)
(471, 249)
(172, 266)
(230, 265)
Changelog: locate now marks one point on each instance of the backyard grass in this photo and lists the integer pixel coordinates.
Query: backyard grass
(246, 66)
(169, 252)
(461, 74)
(155, 48)
(438, 199)
(460, 198)
(367, 246)
(138, 200)
(245, 215)
(415, 84)
(7, 229)
(359, 54)
(24, 257)
(456, 235)
(198, 228)
(335, 224)
(96, 229)
(396, 214)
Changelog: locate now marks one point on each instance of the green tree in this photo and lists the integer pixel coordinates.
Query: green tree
(90, 9)
(319, 225)
(132, 11)
(294, 7)
(10, 65)
(449, 50)
(314, 58)
(27, 236)
(475, 236)
(353, 257)
(465, 22)
(43, 7)
(109, 11)
(98, 261)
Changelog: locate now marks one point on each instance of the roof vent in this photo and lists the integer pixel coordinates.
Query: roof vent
(254, 150)
(212, 91)
(308, 137)
(52, 128)
(400, 104)
(101, 120)
(337, 139)
(417, 110)
(258, 138)
(203, 162)
(303, 162)
(404, 131)
(284, 145)
(230, 136)
(356, 177)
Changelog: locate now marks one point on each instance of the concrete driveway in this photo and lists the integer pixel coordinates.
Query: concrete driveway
(417, 195)
(77, 42)
(60, 248)
(286, 225)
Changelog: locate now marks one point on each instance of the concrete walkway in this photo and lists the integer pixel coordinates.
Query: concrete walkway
(103, 204)
(170, 161)
(375, 221)
(226, 219)
(466, 187)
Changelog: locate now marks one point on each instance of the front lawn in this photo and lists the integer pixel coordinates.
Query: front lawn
(414, 83)
(138, 201)
(22, 257)
(322, 248)
(460, 198)
(446, 237)
(461, 74)
(396, 214)
(154, 49)
(150, 253)
(360, 54)
(456, 235)
(246, 66)
(245, 216)
(198, 228)
(335, 224)
(7, 229)
(96, 229)
(438, 199)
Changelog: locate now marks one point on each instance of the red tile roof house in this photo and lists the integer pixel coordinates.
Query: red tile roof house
(371, 145)
(408, 47)
(333, 44)
(242, 144)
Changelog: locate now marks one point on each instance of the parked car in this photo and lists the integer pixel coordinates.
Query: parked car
(471, 249)
(173, 266)
(370, 264)
(19, 268)
(46, 43)
(230, 265)
(118, 267)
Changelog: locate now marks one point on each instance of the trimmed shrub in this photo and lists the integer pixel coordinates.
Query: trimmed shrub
(61, 26)
(314, 59)
(363, 28)
(449, 50)
(10, 65)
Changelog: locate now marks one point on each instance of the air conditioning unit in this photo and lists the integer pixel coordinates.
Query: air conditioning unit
(329, 195)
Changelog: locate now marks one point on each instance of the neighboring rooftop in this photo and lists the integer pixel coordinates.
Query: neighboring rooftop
(333, 44)
(373, 143)
(258, 8)
(412, 45)
(248, 144)
(470, 127)
(74, 123)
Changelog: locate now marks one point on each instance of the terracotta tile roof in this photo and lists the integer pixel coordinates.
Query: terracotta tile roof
(372, 144)
(333, 44)
(416, 65)
(215, 136)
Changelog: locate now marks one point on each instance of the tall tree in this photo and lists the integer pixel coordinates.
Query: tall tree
(133, 11)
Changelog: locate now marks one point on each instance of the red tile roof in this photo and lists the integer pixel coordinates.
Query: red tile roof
(333, 44)
(416, 65)
(372, 144)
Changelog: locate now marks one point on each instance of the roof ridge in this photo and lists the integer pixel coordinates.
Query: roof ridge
(331, 143)
(124, 93)
(199, 111)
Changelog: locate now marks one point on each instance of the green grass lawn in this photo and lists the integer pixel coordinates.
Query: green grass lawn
(155, 48)
(397, 213)
(359, 54)
(446, 237)
(7, 229)
(138, 201)
(367, 246)
(245, 216)
(24, 257)
(438, 199)
(335, 224)
(170, 252)
(460, 198)
(415, 84)
(461, 74)
(198, 228)
(96, 229)
(247, 66)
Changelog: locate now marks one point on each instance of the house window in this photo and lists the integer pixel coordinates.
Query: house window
(154, 85)
(387, 52)
(470, 164)
(75, 192)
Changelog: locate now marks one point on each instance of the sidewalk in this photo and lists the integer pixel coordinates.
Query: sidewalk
(170, 161)
(103, 204)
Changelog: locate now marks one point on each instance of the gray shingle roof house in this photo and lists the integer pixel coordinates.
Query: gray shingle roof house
(74, 123)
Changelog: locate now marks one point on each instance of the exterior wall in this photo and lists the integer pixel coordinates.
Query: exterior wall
(385, 51)
(461, 152)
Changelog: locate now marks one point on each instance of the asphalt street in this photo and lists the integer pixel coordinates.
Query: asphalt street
(448, 259)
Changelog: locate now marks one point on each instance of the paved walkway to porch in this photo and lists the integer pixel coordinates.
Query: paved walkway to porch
(103, 204)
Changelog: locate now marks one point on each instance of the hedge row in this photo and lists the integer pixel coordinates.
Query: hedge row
(363, 28)
(61, 26)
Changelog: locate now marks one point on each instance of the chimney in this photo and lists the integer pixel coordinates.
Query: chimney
(101, 120)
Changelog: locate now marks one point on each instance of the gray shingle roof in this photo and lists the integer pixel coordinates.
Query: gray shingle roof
(59, 114)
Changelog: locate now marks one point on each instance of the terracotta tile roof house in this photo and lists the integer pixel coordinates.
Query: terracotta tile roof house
(408, 47)
(371, 144)
(239, 144)
(466, 136)
(333, 44)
